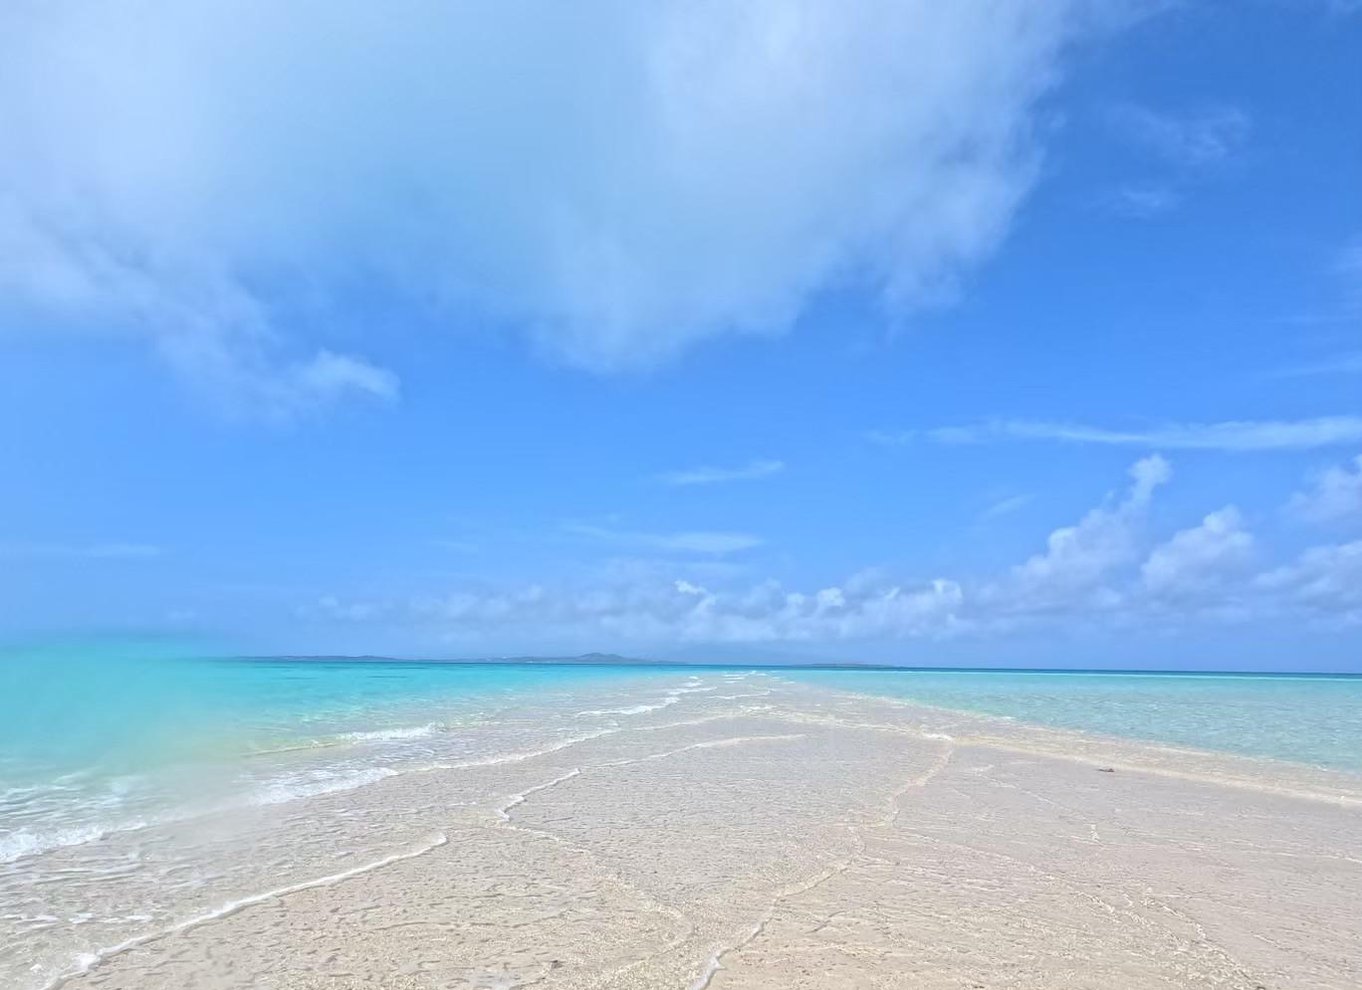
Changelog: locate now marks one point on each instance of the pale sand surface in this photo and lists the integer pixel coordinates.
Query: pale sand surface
(768, 835)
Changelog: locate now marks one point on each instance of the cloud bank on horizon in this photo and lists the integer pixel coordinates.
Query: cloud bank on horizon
(614, 183)
(1108, 571)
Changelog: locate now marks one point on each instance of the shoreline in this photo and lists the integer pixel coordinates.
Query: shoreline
(755, 835)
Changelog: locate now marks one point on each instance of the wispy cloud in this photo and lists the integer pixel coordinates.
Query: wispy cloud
(1140, 201)
(327, 376)
(1006, 506)
(718, 475)
(1188, 139)
(81, 551)
(1187, 144)
(1231, 435)
(716, 543)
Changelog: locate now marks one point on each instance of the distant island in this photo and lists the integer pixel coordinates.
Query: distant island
(617, 660)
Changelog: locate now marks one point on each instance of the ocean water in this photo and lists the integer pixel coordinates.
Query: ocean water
(140, 786)
(101, 739)
(1311, 719)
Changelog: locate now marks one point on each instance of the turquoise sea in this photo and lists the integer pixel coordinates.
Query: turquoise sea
(100, 738)
(139, 784)
(1303, 718)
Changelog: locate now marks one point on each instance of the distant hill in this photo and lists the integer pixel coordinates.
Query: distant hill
(597, 658)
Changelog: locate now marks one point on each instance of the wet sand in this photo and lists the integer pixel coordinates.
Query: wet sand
(767, 835)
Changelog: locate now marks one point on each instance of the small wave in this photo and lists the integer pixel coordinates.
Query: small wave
(710, 744)
(386, 735)
(24, 842)
(19, 795)
(518, 798)
(346, 738)
(633, 710)
(524, 754)
(297, 787)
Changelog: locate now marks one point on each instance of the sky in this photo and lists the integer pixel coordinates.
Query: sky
(978, 333)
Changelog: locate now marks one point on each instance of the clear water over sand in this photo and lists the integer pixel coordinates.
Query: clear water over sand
(307, 824)
(1314, 719)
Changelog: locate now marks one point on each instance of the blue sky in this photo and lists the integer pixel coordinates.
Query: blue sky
(978, 333)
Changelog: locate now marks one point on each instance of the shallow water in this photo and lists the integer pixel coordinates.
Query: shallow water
(141, 789)
(92, 744)
(1313, 719)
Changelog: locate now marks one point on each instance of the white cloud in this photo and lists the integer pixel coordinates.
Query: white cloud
(1193, 139)
(618, 182)
(327, 375)
(1146, 474)
(1201, 558)
(1104, 571)
(700, 541)
(680, 611)
(1233, 435)
(1325, 580)
(1077, 558)
(1335, 495)
(200, 320)
(717, 475)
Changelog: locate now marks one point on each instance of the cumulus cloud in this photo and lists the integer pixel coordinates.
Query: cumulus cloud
(1325, 580)
(682, 611)
(616, 182)
(1201, 558)
(1077, 558)
(750, 471)
(1334, 495)
(1105, 569)
(1232, 435)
